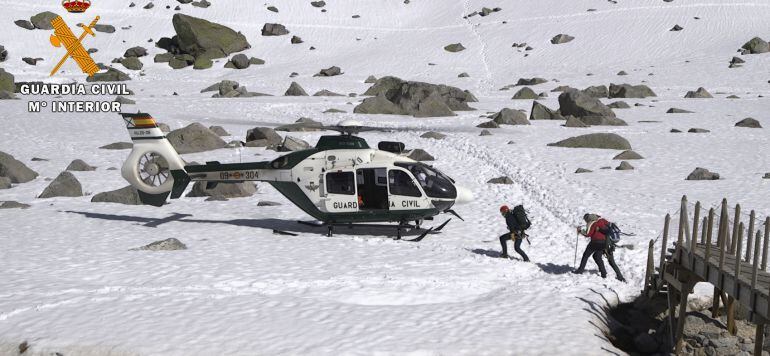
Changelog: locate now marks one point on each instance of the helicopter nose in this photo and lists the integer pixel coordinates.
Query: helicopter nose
(464, 195)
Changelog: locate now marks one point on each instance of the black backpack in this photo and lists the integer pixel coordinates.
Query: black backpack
(612, 232)
(521, 217)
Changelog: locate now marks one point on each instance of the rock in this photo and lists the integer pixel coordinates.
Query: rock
(698, 130)
(149, 5)
(619, 105)
(202, 63)
(295, 90)
(756, 45)
(541, 112)
(42, 21)
(318, 3)
(123, 100)
(296, 40)
(370, 79)
(676, 28)
(163, 58)
(575, 103)
(525, 93)
(597, 91)
(132, 63)
(272, 8)
(602, 121)
(194, 138)
(291, 144)
(749, 122)
(224, 190)
(677, 111)
(501, 180)
(454, 47)
(628, 155)
(15, 170)
(463, 75)
(420, 155)
(583, 170)
(202, 3)
(622, 72)
(396, 96)
(675, 131)
(31, 61)
(531, 81)
(65, 185)
(104, 28)
(267, 203)
(6, 95)
(433, 135)
(574, 122)
(13, 205)
(111, 75)
(333, 111)
(485, 133)
(630, 91)
(325, 92)
(79, 165)
(7, 81)
(274, 29)
(24, 24)
(329, 72)
(510, 117)
(733, 97)
(700, 93)
(766, 176)
(127, 195)
(219, 131)
(199, 37)
(595, 140)
(118, 146)
(488, 125)
(170, 244)
(240, 61)
(137, 51)
(264, 133)
(624, 166)
(702, 174)
(561, 38)
(737, 60)
(3, 54)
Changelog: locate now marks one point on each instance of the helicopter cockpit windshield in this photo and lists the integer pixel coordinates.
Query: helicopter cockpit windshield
(434, 183)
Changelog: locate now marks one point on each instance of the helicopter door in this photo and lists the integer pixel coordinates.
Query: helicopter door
(341, 192)
(372, 188)
(404, 192)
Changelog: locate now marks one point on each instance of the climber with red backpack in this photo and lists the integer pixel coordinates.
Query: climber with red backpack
(517, 222)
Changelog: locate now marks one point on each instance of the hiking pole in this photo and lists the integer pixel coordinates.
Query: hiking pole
(577, 238)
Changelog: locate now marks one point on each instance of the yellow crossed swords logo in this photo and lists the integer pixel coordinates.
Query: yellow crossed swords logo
(74, 46)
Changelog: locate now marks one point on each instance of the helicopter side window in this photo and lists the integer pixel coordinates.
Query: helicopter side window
(340, 183)
(401, 183)
(434, 183)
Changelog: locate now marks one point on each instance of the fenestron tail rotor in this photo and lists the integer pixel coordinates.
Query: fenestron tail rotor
(153, 169)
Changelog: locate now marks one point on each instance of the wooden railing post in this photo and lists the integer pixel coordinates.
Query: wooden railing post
(738, 251)
(764, 244)
(732, 328)
(684, 224)
(709, 232)
(650, 273)
(735, 226)
(749, 235)
(664, 246)
(755, 270)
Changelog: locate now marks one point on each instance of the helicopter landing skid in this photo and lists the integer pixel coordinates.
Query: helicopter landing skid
(399, 228)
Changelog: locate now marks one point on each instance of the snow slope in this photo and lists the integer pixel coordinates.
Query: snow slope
(69, 284)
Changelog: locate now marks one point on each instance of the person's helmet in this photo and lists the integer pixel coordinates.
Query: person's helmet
(504, 209)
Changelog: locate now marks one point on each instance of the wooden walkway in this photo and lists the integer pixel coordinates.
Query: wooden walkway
(714, 253)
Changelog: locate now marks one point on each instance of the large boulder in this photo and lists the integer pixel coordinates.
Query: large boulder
(79, 165)
(195, 138)
(702, 174)
(756, 45)
(329, 72)
(602, 121)
(418, 154)
(749, 122)
(630, 91)
(596, 91)
(200, 37)
(574, 122)
(561, 38)
(274, 29)
(291, 144)
(628, 155)
(525, 93)
(5, 183)
(127, 195)
(137, 51)
(595, 140)
(43, 20)
(266, 134)
(542, 112)
(223, 190)
(17, 171)
(578, 104)
(508, 116)
(240, 61)
(111, 75)
(64, 185)
(132, 63)
(395, 96)
(488, 125)
(531, 81)
(7, 81)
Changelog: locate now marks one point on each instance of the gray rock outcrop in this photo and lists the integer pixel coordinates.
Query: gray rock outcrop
(595, 140)
(194, 138)
(395, 96)
(64, 185)
(15, 170)
(127, 195)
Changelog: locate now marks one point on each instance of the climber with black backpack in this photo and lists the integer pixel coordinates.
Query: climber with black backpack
(517, 222)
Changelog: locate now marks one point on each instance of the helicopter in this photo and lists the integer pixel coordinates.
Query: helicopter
(339, 182)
